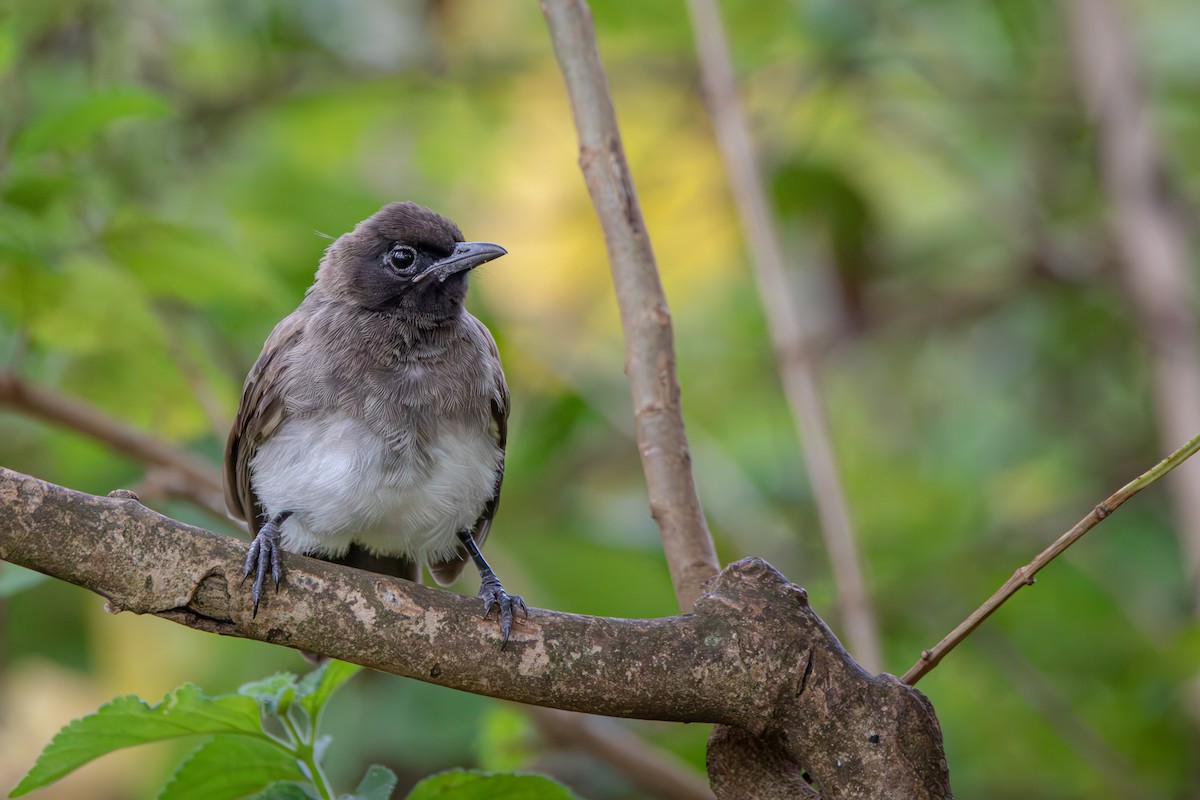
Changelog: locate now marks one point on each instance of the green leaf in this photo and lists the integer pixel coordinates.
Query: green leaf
(14, 579)
(318, 686)
(472, 785)
(231, 767)
(377, 784)
(33, 187)
(273, 694)
(74, 125)
(128, 720)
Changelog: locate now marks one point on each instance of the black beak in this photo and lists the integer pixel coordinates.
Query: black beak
(466, 255)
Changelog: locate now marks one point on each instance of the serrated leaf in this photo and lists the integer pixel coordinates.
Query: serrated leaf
(231, 767)
(127, 721)
(377, 784)
(72, 126)
(274, 694)
(318, 686)
(472, 785)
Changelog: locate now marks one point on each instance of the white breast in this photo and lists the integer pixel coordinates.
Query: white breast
(345, 484)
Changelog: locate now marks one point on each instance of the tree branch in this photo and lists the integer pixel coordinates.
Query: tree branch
(645, 317)
(753, 654)
(1152, 236)
(793, 350)
(746, 767)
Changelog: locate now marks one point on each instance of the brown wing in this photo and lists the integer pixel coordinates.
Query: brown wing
(259, 415)
(261, 411)
(446, 572)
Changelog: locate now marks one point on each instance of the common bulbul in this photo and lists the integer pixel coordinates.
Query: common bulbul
(372, 428)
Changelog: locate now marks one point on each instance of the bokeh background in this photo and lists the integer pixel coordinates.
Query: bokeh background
(166, 167)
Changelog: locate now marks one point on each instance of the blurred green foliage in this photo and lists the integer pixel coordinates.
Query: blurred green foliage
(264, 742)
(164, 169)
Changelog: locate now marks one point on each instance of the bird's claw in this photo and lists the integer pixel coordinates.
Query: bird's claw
(494, 598)
(266, 553)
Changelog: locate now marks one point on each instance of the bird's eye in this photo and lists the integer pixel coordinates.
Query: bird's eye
(401, 257)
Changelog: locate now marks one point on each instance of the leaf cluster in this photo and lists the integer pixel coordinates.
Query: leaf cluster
(261, 742)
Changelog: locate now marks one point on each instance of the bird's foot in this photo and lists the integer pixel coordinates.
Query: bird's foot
(492, 593)
(266, 553)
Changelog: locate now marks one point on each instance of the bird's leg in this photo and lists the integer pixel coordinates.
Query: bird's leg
(491, 591)
(266, 552)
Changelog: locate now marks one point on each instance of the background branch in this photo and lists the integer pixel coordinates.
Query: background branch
(1152, 231)
(1152, 237)
(753, 654)
(794, 353)
(645, 316)
(201, 482)
(1024, 576)
(654, 771)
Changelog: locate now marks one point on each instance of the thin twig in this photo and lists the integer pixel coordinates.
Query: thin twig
(1153, 240)
(1025, 575)
(645, 317)
(1152, 233)
(793, 351)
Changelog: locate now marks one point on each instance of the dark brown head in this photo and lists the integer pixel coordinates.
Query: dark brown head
(406, 259)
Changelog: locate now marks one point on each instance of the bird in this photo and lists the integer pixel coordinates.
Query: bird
(372, 427)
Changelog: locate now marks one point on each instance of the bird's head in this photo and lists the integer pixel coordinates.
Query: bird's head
(404, 258)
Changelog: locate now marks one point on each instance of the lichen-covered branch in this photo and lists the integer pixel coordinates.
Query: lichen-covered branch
(753, 654)
(645, 317)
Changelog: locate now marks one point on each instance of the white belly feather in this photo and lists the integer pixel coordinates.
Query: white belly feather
(344, 484)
